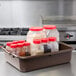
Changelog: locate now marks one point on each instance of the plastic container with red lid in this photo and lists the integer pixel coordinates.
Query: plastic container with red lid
(20, 51)
(51, 31)
(44, 42)
(35, 33)
(26, 48)
(13, 48)
(8, 44)
(36, 48)
(13, 45)
(26, 44)
(53, 44)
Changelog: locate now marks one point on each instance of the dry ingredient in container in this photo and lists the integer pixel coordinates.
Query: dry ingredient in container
(35, 33)
(45, 45)
(51, 31)
(8, 46)
(20, 51)
(26, 48)
(53, 44)
(13, 48)
(36, 48)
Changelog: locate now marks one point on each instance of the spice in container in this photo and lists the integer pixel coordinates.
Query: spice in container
(26, 48)
(36, 48)
(8, 48)
(51, 31)
(53, 44)
(20, 51)
(13, 48)
(44, 42)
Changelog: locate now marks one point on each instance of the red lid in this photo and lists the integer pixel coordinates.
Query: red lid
(52, 38)
(26, 44)
(8, 43)
(20, 45)
(44, 40)
(13, 45)
(36, 28)
(15, 42)
(49, 27)
(21, 41)
(36, 41)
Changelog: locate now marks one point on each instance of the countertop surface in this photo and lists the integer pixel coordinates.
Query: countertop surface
(68, 69)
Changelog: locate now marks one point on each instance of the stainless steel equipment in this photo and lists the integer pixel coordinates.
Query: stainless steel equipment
(68, 35)
(10, 34)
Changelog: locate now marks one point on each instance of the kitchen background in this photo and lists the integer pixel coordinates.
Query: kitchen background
(17, 15)
(23, 13)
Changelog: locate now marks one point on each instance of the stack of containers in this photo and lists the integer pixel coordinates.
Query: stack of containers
(40, 40)
(19, 48)
(53, 36)
(48, 35)
(34, 37)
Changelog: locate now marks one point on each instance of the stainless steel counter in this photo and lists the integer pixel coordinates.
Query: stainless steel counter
(68, 69)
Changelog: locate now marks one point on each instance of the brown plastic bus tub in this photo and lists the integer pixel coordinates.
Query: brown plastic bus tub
(30, 63)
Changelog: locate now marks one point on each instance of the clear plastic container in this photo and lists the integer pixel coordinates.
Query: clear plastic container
(26, 48)
(20, 51)
(51, 31)
(13, 48)
(44, 42)
(8, 46)
(36, 48)
(35, 33)
(53, 44)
